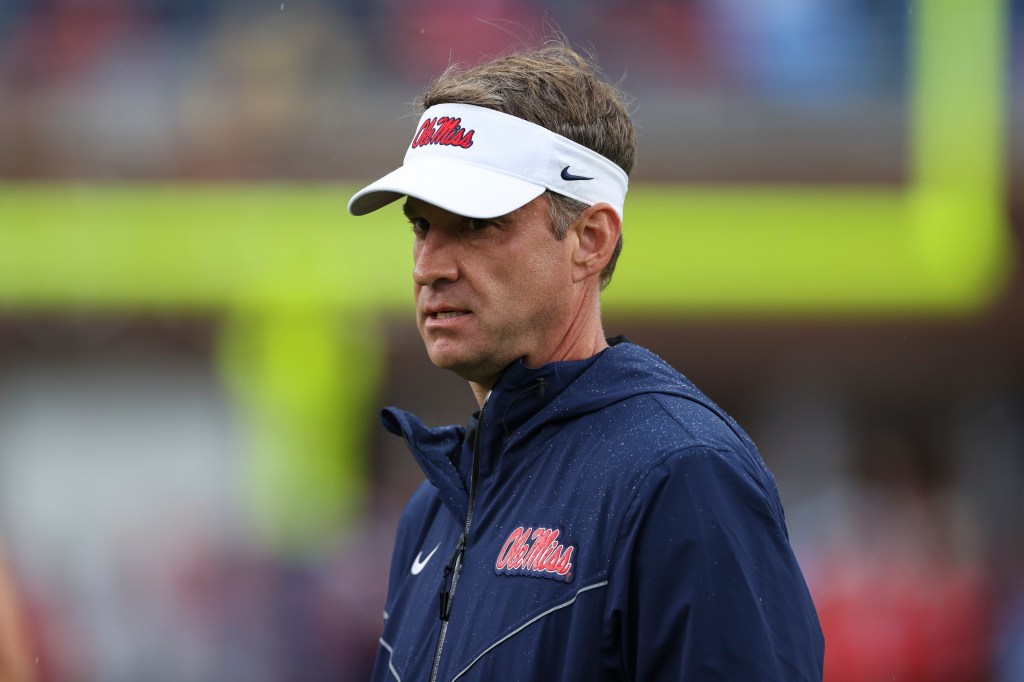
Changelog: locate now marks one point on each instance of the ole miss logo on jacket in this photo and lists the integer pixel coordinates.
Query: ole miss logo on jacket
(536, 552)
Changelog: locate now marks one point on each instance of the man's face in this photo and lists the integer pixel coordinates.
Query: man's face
(489, 291)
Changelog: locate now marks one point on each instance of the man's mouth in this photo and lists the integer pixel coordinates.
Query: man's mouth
(442, 316)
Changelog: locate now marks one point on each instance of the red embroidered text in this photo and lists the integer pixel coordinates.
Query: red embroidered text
(537, 552)
(443, 131)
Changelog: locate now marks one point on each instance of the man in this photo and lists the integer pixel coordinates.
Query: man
(599, 518)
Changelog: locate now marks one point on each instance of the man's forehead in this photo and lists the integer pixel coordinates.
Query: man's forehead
(416, 206)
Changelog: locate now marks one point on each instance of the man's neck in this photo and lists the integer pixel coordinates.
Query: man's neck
(582, 337)
(481, 389)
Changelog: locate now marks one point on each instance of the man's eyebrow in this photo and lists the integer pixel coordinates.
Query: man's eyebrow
(406, 210)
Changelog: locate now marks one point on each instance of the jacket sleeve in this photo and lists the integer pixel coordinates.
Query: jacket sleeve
(704, 585)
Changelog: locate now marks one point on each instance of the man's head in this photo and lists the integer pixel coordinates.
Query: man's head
(557, 88)
(515, 177)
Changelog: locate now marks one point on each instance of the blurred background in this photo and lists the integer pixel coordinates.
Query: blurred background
(195, 340)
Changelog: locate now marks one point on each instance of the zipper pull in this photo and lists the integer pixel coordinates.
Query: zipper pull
(445, 597)
(449, 569)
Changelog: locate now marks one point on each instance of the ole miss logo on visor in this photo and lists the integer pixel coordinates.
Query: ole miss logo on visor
(445, 131)
(536, 552)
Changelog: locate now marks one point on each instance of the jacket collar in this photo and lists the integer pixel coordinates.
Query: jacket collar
(520, 393)
(435, 450)
(518, 407)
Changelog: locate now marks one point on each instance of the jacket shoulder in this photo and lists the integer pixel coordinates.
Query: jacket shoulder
(666, 431)
(659, 423)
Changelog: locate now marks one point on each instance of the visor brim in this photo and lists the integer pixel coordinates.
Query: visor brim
(465, 189)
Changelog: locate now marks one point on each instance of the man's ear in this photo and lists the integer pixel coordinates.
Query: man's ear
(597, 232)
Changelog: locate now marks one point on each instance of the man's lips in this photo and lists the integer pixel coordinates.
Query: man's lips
(444, 314)
(444, 310)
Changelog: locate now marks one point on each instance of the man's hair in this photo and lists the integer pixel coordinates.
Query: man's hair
(559, 89)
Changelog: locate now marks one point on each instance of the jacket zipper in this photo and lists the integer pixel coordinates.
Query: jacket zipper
(454, 566)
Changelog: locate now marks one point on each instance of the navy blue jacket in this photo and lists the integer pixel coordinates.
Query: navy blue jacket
(623, 528)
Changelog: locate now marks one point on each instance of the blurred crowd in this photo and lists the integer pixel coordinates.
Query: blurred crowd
(125, 554)
(108, 89)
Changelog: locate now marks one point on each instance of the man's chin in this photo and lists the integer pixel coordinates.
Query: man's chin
(464, 367)
(471, 367)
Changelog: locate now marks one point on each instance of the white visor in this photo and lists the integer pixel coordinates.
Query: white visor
(481, 163)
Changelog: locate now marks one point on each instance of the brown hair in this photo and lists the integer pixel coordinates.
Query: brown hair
(557, 88)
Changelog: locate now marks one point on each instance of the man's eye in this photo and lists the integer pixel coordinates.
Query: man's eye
(419, 225)
(476, 224)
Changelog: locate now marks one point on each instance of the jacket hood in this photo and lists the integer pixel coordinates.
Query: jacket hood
(525, 400)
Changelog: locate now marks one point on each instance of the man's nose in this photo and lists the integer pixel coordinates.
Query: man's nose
(435, 259)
